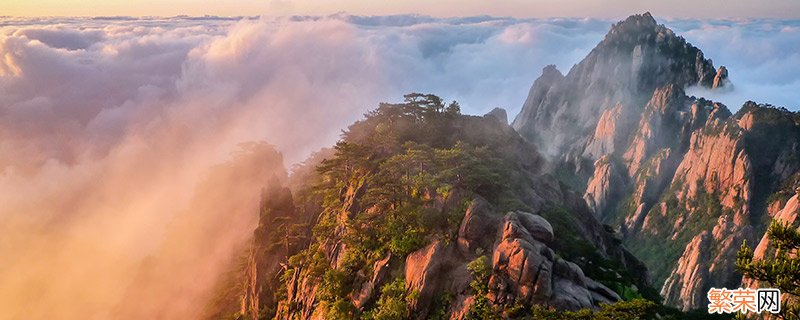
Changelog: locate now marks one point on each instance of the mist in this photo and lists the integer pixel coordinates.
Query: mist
(761, 55)
(133, 151)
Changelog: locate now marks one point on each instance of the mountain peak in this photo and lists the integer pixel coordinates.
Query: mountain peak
(636, 20)
(655, 55)
(620, 127)
(636, 59)
(636, 24)
(638, 29)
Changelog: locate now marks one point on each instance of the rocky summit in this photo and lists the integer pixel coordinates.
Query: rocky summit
(683, 179)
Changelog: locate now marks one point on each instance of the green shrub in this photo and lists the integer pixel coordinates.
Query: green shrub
(392, 304)
(481, 270)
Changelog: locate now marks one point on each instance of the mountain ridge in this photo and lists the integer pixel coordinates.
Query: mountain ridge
(684, 179)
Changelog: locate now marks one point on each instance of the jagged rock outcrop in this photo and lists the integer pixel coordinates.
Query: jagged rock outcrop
(423, 269)
(689, 274)
(527, 270)
(683, 179)
(301, 298)
(649, 183)
(274, 240)
(607, 134)
(721, 79)
(606, 184)
(636, 57)
(787, 214)
(369, 289)
(434, 269)
(744, 162)
(656, 126)
(499, 114)
(717, 163)
(705, 263)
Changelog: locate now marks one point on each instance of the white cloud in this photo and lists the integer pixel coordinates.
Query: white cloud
(106, 125)
(762, 57)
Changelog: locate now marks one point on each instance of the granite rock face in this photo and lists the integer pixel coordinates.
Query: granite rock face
(265, 258)
(525, 269)
(636, 57)
(787, 214)
(721, 79)
(479, 221)
(605, 185)
(528, 271)
(683, 179)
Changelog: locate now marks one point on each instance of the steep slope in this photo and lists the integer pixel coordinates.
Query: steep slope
(423, 212)
(683, 179)
(636, 57)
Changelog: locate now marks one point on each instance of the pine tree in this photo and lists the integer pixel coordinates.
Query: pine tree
(782, 271)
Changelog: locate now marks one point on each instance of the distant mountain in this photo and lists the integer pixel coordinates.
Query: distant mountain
(683, 180)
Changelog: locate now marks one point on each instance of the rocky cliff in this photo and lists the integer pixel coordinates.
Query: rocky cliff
(423, 213)
(683, 179)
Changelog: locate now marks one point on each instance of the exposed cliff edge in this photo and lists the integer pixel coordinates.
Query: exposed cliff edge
(683, 179)
(421, 212)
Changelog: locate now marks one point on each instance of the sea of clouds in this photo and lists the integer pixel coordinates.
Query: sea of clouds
(108, 124)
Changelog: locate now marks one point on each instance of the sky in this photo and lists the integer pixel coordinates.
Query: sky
(110, 126)
(440, 8)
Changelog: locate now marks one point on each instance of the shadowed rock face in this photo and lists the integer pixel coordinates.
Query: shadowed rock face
(499, 114)
(636, 57)
(266, 256)
(684, 180)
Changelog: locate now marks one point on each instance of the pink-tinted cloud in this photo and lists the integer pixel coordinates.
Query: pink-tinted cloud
(109, 126)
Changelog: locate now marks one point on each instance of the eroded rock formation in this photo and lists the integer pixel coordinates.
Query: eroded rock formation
(683, 179)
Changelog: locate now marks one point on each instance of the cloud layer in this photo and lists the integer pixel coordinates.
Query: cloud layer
(763, 57)
(109, 126)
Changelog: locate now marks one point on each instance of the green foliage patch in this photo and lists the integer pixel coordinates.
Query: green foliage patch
(383, 188)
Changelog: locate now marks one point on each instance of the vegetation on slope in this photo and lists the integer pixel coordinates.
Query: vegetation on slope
(782, 271)
(389, 175)
(400, 179)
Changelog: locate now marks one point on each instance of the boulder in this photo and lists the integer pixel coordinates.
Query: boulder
(478, 228)
(539, 228)
(526, 270)
(422, 274)
(601, 293)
